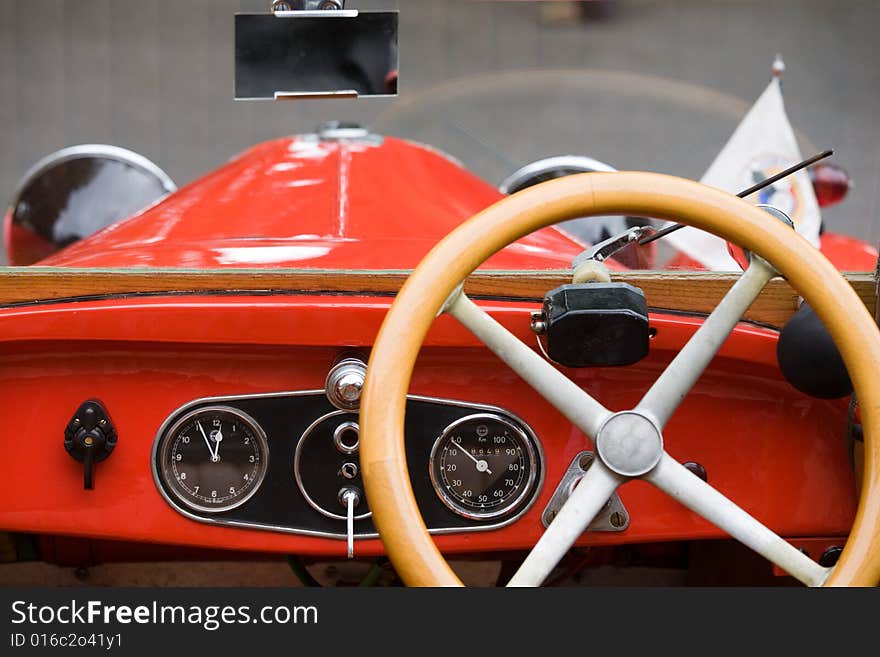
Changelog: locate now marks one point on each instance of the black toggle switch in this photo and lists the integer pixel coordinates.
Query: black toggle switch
(90, 438)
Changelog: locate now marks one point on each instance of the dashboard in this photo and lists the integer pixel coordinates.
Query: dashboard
(262, 374)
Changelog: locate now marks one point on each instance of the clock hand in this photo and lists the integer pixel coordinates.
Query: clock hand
(218, 439)
(207, 442)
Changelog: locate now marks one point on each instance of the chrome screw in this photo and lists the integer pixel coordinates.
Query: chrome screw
(538, 325)
(349, 470)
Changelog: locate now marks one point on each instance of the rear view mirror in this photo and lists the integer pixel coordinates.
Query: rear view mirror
(322, 54)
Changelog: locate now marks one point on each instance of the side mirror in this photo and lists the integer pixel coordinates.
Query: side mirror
(74, 193)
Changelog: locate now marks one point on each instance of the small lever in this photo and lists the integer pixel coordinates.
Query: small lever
(350, 497)
(90, 438)
(607, 248)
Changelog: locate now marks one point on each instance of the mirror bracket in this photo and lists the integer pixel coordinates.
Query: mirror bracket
(295, 8)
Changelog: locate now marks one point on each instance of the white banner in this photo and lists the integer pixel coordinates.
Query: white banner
(762, 145)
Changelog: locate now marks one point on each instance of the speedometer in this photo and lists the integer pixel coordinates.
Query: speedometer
(213, 459)
(483, 466)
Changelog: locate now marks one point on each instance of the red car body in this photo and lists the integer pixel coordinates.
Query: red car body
(365, 205)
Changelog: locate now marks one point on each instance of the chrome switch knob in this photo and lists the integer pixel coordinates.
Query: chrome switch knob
(350, 497)
(345, 382)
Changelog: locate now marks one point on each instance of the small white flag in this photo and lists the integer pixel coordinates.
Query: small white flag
(762, 145)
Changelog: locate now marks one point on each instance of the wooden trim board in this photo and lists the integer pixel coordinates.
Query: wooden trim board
(679, 291)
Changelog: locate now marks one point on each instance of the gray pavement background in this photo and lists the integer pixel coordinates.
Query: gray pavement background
(658, 86)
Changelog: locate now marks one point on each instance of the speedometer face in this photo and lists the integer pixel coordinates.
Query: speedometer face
(483, 466)
(214, 459)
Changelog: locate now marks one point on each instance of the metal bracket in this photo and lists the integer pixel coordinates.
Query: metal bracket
(320, 8)
(774, 212)
(612, 518)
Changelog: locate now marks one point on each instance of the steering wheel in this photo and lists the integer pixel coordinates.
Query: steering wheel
(629, 444)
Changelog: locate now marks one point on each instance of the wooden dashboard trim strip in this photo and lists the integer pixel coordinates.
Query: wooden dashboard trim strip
(692, 292)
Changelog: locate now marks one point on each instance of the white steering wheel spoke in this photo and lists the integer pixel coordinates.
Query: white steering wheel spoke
(574, 403)
(682, 373)
(629, 443)
(587, 500)
(679, 483)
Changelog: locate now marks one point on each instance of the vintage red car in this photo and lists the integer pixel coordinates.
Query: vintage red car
(221, 336)
(345, 345)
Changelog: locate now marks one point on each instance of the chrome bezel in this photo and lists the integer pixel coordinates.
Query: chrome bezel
(457, 507)
(242, 524)
(296, 462)
(165, 439)
(341, 447)
(93, 150)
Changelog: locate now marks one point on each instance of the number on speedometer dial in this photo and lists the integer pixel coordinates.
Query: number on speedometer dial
(213, 459)
(483, 466)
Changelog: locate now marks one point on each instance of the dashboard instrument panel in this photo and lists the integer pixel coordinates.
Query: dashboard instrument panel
(281, 462)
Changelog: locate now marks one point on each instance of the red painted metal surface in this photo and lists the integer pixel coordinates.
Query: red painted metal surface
(24, 246)
(845, 253)
(848, 253)
(299, 202)
(304, 203)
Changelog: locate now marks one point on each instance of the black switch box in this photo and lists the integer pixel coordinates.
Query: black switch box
(596, 324)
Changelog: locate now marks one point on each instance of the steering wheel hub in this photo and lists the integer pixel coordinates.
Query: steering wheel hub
(629, 443)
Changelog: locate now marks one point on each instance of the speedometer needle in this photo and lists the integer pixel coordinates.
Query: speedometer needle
(482, 464)
(214, 456)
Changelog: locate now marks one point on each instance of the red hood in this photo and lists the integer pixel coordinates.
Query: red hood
(301, 202)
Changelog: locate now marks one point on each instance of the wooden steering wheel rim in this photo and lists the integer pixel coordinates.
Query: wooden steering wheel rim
(382, 452)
